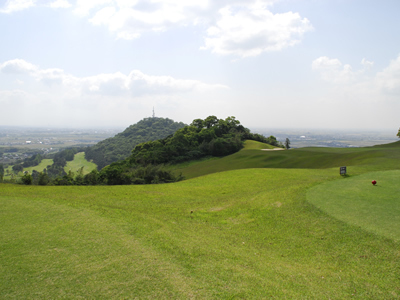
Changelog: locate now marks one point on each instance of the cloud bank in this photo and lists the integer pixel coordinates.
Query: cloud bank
(237, 28)
(134, 84)
(386, 81)
(53, 96)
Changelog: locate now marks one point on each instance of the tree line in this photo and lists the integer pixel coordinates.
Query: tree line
(148, 160)
(202, 138)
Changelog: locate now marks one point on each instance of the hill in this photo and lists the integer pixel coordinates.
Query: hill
(211, 137)
(120, 146)
(379, 157)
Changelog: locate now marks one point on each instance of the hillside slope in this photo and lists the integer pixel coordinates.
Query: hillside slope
(245, 234)
(380, 157)
(120, 146)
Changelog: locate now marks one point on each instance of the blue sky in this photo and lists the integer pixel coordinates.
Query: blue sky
(270, 63)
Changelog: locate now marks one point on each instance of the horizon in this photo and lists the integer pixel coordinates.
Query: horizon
(269, 63)
(252, 128)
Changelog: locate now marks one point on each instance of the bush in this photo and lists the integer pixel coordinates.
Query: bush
(27, 179)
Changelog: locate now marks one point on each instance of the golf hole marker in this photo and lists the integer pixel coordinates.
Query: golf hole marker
(343, 170)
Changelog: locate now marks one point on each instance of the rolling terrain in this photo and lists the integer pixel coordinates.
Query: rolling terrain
(253, 225)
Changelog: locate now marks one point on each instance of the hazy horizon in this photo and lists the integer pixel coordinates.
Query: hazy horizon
(270, 63)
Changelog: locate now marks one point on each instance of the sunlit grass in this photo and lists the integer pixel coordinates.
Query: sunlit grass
(356, 201)
(79, 162)
(249, 233)
(245, 234)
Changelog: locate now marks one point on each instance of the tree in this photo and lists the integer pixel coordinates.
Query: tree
(17, 168)
(1, 172)
(287, 143)
(27, 179)
(398, 133)
(43, 178)
(210, 121)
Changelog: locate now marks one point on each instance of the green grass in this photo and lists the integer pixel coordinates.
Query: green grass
(356, 201)
(250, 233)
(40, 167)
(79, 162)
(360, 160)
(43, 165)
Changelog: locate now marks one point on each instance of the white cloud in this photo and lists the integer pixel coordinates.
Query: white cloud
(84, 7)
(17, 66)
(135, 84)
(250, 31)
(334, 71)
(389, 79)
(130, 19)
(112, 98)
(17, 5)
(380, 84)
(367, 64)
(237, 27)
(60, 4)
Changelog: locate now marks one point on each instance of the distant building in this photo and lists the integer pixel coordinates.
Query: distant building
(28, 142)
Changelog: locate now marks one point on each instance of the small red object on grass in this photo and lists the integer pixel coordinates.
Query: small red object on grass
(373, 182)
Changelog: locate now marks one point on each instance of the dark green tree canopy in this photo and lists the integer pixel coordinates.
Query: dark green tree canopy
(120, 146)
(209, 137)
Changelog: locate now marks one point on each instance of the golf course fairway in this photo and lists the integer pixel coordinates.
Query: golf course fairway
(356, 201)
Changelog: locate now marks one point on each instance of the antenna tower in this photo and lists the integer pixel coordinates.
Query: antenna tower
(154, 114)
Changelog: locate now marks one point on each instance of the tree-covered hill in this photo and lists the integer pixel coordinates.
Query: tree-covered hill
(120, 146)
(208, 137)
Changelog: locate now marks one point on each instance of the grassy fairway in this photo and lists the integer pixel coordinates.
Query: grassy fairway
(356, 201)
(253, 233)
(240, 234)
(79, 162)
(386, 157)
(43, 165)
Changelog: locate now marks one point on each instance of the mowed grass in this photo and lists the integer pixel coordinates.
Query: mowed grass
(74, 165)
(79, 162)
(249, 233)
(40, 167)
(356, 201)
(360, 160)
(240, 234)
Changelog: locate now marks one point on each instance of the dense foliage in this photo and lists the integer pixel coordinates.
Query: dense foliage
(1, 172)
(209, 137)
(32, 161)
(120, 146)
(145, 165)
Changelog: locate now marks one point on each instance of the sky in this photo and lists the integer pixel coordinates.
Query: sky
(269, 63)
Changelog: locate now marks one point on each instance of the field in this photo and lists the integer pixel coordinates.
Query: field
(253, 225)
